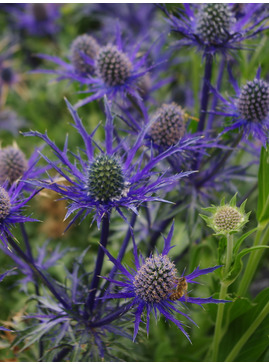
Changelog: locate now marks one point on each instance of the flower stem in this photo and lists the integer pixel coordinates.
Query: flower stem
(205, 91)
(112, 316)
(98, 266)
(26, 241)
(253, 261)
(215, 97)
(258, 320)
(222, 295)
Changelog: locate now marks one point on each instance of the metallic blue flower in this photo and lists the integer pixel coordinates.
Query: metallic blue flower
(214, 27)
(249, 109)
(117, 72)
(117, 177)
(12, 203)
(155, 286)
(37, 19)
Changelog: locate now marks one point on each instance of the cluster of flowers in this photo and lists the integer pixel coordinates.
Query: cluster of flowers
(154, 154)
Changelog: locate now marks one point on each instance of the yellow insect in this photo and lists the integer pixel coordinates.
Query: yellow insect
(181, 289)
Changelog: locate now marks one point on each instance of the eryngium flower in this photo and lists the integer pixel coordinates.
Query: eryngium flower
(116, 177)
(249, 109)
(37, 19)
(84, 50)
(116, 72)
(12, 203)
(168, 126)
(226, 218)
(214, 28)
(13, 164)
(154, 286)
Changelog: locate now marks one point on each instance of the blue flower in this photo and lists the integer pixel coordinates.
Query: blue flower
(37, 19)
(249, 109)
(114, 72)
(117, 177)
(155, 286)
(214, 27)
(12, 203)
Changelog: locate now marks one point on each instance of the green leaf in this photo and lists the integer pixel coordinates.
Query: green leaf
(238, 265)
(263, 187)
(241, 240)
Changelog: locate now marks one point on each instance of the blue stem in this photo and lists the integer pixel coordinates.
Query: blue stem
(205, 91)
(26, 241)
(112, 316)
(98, 266)
(215, 97)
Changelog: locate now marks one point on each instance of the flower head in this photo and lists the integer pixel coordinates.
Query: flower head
(13, 164)
(83, 47)
(115, 177)
(249, 109)
(155, 285)
(213, 27)
(226, 218)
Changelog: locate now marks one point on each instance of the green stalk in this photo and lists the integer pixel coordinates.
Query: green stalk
(222, 296)
(253, 261)
(252, 328)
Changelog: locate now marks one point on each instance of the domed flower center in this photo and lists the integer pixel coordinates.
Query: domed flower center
(113, 66)
(105, 179)
(13, 164)
(155, 279)
(39, 12)
(82, 47)
(5, 204)
(214, 22)
(169, 126)
(253, 103)
(227, 219)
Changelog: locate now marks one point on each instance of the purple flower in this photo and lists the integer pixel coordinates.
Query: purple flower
(37, 19)
(154, 286)
(249, 109)
(12, 203)
(117, 177)
(214, 27)
(114, 72)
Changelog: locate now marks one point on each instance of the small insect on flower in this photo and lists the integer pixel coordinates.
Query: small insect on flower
(154, 286)
(181, 289)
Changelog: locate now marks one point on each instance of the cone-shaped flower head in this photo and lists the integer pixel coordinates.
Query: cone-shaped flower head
(153, 286)
(5, 203)
(13, 164)
(226, 218)
(168, 126)
(82, 47)
(253, 103)
(105, 178)
(113, 66)
(214, 22)
(156, 278)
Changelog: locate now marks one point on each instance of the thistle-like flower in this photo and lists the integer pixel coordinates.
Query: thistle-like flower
(226, 218)
(13, 164)
(155, 285)
(213, 27)
(249, 109)
(115, 72)
(117, 177)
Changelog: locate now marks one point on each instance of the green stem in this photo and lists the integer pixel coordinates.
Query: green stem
(253, 261)
(222, 296)
(236, 350)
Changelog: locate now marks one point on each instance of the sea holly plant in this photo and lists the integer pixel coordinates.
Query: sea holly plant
(132, 268)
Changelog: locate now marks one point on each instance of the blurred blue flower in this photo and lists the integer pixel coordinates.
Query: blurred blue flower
(154, 286)
(118, 177)
(213, 27)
